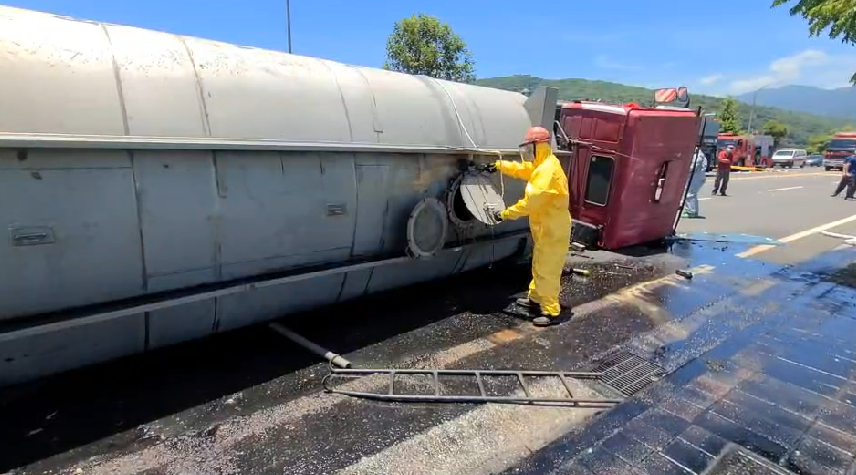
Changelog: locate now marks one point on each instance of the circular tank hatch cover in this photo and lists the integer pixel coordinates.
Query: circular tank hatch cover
(480, 197)
(426, 228)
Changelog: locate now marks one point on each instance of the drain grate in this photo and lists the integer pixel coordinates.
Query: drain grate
(628, 373)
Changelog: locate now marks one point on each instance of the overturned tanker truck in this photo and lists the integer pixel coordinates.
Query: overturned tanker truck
(159, 188)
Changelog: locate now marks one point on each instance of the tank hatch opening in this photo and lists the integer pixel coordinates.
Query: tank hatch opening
(426, 228)
(473, 198)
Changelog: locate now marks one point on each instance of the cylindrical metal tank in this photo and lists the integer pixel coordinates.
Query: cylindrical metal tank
(138, 166)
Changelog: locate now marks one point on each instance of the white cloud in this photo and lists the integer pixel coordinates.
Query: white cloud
(810, 68)
(710, 80)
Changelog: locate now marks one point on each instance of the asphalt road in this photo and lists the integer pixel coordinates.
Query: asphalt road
(251, 402)
(779, 205)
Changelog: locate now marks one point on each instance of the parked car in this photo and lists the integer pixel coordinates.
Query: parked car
(789, 157)
(814, 160)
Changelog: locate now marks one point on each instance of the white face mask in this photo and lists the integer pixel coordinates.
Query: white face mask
(527, 152)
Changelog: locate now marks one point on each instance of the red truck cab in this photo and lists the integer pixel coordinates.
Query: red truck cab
(629, 170)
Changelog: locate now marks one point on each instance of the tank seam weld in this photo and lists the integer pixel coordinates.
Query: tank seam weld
(377, 125)
(342, 98)
(206, 124)
(356, 204)
(139, 211)
(354, 228)
(117, 77)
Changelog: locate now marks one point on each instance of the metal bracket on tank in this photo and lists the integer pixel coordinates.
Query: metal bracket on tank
(418, 228)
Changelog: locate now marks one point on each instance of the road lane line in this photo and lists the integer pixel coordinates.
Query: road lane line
(788, 188)
(794, 237)
(783, 175)
(703, 199)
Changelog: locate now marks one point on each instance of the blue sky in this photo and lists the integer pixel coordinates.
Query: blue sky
(724, 47)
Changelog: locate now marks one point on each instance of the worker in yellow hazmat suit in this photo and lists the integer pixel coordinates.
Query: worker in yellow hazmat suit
(546, 204)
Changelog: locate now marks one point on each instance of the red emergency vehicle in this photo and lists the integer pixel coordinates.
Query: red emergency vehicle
(628, 171)
(749, 150)
(841, 146)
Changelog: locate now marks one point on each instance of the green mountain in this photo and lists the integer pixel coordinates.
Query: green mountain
(801, 126)
(839, 102)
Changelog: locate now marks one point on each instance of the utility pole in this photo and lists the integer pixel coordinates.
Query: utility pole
(288, 22)
(752, 110)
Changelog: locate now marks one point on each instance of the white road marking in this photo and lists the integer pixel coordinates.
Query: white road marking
(794, 237)
(786, 189)
(703, 199)
(783, 175)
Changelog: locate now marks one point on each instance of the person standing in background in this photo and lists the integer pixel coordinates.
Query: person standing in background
(698, 175)
(723, 170)
(848, 178)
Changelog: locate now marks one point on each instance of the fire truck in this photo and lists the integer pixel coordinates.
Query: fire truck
(749, 150)
(842, 145)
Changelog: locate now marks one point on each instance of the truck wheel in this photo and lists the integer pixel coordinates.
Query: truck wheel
(828, 168)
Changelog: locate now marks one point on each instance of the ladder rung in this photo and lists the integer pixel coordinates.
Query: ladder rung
(523, 385)
(479, 382)
(565, 383)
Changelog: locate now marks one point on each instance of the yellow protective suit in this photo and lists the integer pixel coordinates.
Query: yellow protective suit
(546, 203)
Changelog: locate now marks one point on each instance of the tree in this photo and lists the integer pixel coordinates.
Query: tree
(837, 15)
(729, 121)
(817, 143)
(777, 130)
(422, 44)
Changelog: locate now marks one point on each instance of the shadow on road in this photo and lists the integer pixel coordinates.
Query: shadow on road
(67, 411)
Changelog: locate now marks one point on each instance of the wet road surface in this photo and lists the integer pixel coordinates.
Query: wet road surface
(764, 384)
(781, 204)
(744, 368)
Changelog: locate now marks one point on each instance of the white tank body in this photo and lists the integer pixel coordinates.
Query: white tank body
(135, 163)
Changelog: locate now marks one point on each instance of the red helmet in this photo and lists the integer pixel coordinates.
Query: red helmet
(536, 135)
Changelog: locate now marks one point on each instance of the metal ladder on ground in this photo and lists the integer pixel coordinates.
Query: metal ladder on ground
(479, 377)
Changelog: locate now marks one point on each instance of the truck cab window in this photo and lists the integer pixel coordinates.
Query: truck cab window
(598, 180)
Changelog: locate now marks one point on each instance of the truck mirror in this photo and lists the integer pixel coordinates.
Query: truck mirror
(562, 139)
